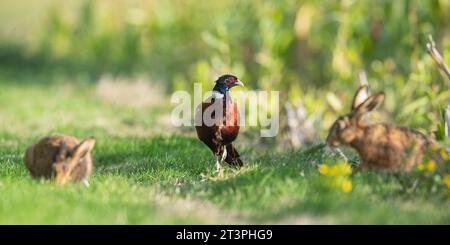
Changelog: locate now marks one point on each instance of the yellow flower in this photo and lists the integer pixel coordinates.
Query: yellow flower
(324, 169)
(445, 155)
(431, 166)
(346, 186)
(334, 171)
(434, 148)
(447, 180)
(344, 168)
(421, 166)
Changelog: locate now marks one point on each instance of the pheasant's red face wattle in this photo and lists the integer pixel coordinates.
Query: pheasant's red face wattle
(233, 81)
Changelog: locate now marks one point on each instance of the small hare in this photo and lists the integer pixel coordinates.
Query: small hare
(62, 157)
(381, 146)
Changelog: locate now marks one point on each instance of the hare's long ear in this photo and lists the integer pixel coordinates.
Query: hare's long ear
(360, 96)
(84, 147)
(62, 153)
(368, 105)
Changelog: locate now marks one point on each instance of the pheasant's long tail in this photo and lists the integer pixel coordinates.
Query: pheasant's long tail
(233, 158)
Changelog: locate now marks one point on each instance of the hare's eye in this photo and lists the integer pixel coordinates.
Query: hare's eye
(341, 124)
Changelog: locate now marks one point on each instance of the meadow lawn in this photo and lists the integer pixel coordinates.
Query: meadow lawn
(147, 172)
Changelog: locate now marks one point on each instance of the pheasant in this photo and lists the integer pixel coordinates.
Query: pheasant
(217, 122)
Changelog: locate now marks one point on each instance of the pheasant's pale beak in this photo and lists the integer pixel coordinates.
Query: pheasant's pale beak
(239, 83)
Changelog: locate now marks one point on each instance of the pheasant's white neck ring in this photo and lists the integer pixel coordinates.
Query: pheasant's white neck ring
(217, 94)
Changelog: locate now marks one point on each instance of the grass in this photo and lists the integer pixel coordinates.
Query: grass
(148, 173)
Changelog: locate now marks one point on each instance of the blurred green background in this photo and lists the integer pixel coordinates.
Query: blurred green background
(309, 50)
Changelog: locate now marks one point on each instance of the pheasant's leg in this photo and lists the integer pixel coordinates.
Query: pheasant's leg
(224, 154)
(218, 164)
(220, 169)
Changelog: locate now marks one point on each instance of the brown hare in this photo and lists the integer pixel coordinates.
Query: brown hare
(62, 157)
(380, 146)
